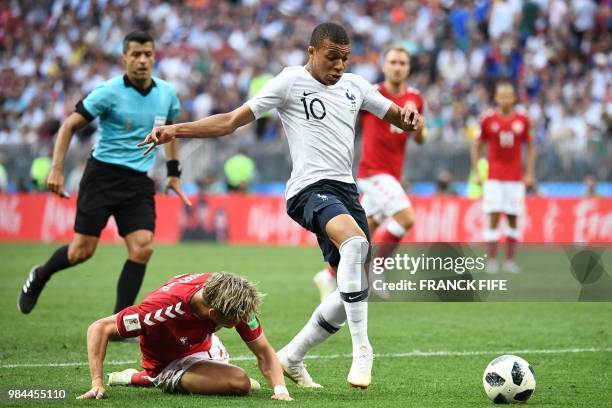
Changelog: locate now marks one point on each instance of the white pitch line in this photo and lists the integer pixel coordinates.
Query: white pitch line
(415, 353)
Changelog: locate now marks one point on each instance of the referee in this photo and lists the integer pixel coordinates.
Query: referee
(115, 180)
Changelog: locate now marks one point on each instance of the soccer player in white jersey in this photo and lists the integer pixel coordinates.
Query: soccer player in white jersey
(318, 106)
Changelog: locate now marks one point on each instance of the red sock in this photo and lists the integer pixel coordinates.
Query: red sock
(492, 249)
(331, 271)
(141, 379)
(510, 247)
(389, 244)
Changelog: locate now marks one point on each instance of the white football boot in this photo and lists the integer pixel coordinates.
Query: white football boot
(492, 266)
(121, 377)
(511, 267)
(360, 375)
(296, 371)
(325, 282)
(255, 385)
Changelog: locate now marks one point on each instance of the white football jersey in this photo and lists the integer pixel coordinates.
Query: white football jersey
(319, 121)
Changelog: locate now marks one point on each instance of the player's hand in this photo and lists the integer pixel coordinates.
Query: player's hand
(411, 118)
(281, 397)
(55, 182)
(529, 181)
(477, 178)
(158, 136)
(174, 184)
(96, 392)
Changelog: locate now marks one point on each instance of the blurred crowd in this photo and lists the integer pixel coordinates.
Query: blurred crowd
(557, 53)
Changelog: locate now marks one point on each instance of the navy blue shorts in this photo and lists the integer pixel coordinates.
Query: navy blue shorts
(318, 203)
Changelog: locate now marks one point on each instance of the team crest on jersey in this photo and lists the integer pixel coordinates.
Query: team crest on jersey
(128, 125)
(518, 126)
(494, 127)
(184, 340)
(351, 97)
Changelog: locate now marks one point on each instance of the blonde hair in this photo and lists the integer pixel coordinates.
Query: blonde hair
(232, 296)
(396, 47)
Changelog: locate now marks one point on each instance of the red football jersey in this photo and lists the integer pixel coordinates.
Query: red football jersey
(167, 327)
(384, 145)
(505, 136)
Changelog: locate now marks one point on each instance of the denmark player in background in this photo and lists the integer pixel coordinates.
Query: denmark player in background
(180, 352)
(380, 168)
(318, 105)
(505, 130)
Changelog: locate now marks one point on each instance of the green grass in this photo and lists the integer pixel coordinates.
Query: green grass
(55, 333)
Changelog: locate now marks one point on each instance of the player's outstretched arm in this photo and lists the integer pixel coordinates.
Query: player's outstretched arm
(55, 179)
(212, 126)
(406, 118)
(270, 367)
(97, 339)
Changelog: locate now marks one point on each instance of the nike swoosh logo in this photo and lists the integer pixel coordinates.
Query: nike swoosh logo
(353, 297)
(309, 93)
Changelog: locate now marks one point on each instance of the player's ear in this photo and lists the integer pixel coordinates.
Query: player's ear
(212, 314)
(311, 51)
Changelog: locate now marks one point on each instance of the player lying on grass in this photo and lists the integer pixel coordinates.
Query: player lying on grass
(318, 105)
(180, 353)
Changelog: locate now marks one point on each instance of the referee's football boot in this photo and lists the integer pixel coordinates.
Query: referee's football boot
(30, 291)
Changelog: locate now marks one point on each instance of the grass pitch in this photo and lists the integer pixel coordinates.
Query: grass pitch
(429, 354)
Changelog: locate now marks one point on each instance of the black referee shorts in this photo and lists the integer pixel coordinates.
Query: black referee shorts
(108, 189)
(318, 203)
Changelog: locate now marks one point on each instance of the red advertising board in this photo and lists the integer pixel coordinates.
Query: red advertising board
(252, 219)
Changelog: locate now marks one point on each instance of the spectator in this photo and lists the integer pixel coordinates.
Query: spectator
(239, 172)
(590, 183)
(55, 52)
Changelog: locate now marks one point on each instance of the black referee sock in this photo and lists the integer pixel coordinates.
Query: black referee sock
(57, 262)
(129, 283)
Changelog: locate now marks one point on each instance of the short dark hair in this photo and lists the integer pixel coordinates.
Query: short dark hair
(329, 31)
(141, 37)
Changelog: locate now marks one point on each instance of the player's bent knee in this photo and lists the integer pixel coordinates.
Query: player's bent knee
(81, 253)
(239, 384)
(355, 249)
(405, 218)
(142, 253)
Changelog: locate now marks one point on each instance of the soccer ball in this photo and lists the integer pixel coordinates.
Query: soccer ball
(509, 379)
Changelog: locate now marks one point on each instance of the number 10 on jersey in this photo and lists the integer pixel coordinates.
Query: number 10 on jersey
(309, 108)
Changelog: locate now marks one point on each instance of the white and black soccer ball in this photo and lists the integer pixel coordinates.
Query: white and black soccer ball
(509, 379)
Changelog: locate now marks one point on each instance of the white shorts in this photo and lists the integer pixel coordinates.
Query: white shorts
(382, 196)
(170, 377)
(506, 197)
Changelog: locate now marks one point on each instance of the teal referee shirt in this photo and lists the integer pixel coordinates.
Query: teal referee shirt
(126, 115)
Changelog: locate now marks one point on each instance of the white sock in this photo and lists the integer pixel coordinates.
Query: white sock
(512, 232)
(326, 320)
(491, 235)
(354, 290)
(395, 228)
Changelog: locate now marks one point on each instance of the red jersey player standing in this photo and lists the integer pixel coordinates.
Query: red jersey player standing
(382, 157)
(505, 130)
(180, 353)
